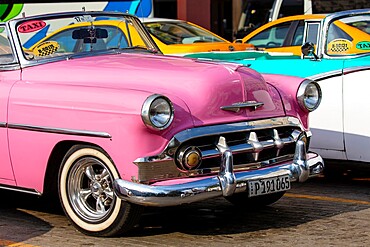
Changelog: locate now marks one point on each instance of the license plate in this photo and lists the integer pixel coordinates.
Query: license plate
(268, 185)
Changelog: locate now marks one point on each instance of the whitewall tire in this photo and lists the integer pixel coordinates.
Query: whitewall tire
(86, 193)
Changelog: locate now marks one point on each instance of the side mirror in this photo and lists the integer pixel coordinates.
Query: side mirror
(238, 41)
(308, 49)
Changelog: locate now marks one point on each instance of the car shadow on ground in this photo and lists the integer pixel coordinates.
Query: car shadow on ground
(17, 225)
(324, 198)
(211, 217)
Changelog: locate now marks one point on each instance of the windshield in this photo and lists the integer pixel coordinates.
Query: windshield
(349, 35)
(171, 33)
(58, 35)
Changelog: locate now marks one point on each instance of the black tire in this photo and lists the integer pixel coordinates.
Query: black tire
(86, 193)
(242, 199)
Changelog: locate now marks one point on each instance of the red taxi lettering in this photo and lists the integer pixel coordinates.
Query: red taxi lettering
(31, 26)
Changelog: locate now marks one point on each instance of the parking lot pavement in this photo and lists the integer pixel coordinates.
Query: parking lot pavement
(319, 212)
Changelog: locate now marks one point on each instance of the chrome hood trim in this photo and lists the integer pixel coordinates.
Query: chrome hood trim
(240, 105)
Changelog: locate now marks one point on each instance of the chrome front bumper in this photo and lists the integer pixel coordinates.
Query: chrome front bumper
(303, 166)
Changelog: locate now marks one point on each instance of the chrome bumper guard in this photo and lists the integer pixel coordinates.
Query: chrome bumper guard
(303, 166)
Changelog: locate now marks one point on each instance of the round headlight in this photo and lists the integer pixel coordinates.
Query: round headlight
(309, 95)
(157, 112)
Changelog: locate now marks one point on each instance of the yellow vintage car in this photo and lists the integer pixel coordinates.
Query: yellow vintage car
(288, 34)
(180, 37)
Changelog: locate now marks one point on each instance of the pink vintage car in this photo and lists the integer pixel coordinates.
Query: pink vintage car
(111, 125)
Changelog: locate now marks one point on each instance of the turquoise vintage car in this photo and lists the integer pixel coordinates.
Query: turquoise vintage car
(340, 126)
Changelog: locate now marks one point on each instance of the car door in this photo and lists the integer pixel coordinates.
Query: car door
(9, 74)
(356, 111)
(326, 123)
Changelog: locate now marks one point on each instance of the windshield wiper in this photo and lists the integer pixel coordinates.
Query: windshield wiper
(139, 47)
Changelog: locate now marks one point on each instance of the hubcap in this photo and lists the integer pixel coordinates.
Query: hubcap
(89, 188)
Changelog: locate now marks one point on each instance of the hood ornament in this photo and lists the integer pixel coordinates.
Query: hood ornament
(237, 106)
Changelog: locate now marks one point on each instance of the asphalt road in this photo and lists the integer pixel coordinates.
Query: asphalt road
(320, 212)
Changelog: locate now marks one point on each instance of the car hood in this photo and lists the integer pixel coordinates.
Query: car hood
(200, 88)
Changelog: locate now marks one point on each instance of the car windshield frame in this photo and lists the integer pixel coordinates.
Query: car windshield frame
(93, 19)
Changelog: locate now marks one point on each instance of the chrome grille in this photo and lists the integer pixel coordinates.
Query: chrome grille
(248, 148)
(254, 144)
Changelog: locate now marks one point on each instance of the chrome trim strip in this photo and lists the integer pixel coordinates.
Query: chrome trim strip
(60, 130)
(236, 106)
(18, 189)
(10, 67)
(326, 75)
(226, 183)
(2, 125)
(237, 127)
(355, 69)
(340, 72)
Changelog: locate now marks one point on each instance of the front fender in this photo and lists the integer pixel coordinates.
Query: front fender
(288, 87)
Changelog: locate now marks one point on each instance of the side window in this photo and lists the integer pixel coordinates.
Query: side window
(6, 55)
(312, 33)
(271, 37)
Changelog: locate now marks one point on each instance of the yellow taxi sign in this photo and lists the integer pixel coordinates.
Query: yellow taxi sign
(45, 48)
(339, 46)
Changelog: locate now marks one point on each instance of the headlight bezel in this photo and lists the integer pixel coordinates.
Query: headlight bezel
(146, 112)
(302, 95)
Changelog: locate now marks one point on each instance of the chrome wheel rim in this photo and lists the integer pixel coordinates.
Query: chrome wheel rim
(89, 189)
